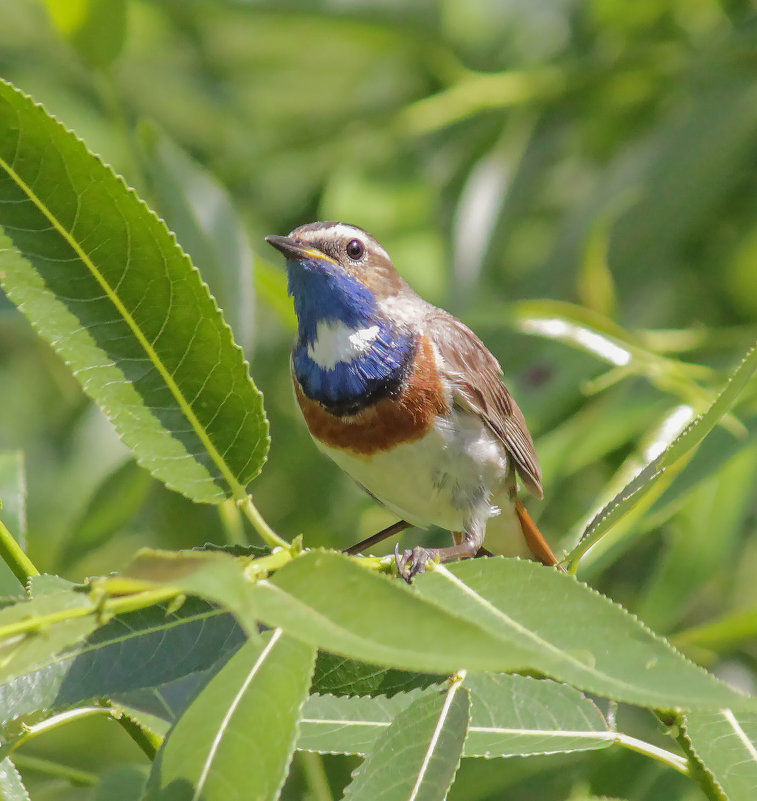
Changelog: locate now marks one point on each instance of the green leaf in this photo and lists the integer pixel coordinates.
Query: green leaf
(388, 624)
(235, 741)
(521, 716)
(691, 436)
(11, 786)
(235, 549)
(337, 675)
(201, 214)
(726, 744)
(103, 280)
(12, 511)
(156, 726)
(418, 755)
(96, 29)
(333, 724)
(213, 575)
(49, 583)
(510, 716)
(137, 650)
(578, 326)
(578, 635)
(52, 622)
(491, 614)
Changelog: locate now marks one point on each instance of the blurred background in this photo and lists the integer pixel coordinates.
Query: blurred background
(575, 179)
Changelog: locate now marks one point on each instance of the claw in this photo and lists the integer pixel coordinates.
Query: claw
(411, 562)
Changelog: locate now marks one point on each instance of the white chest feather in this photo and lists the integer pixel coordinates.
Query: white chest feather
(335, 342)
(449, 478)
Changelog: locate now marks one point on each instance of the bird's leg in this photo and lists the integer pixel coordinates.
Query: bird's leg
(458, 535)
(369, 542)
(413, 561)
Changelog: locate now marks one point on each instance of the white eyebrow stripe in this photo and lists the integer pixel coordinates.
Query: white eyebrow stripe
(347, 232)
(335, 342)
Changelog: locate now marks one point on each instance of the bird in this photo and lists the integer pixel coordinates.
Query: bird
(406, 399)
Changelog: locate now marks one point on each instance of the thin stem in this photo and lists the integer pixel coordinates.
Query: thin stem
(139, 600)
(383, 564)
(265, 565)
(13, 555)
(109, 608)
(270, 537)
(50, 768)
(231, 521)
(675, 761)
(54, 722)
(315, 776)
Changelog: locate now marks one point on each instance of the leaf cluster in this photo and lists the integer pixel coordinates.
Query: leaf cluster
(279, 671)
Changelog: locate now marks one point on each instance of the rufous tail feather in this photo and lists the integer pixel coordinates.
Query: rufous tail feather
(538, 546)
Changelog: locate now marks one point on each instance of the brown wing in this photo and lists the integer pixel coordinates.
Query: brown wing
(476, 376)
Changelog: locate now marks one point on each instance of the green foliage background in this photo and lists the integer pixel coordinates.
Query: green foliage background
(597, 153)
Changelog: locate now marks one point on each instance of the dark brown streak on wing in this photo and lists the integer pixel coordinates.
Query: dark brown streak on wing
(466, 358)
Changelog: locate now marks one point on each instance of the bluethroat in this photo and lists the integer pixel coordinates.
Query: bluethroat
(406, 399)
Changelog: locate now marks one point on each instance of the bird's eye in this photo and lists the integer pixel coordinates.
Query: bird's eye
(355, 249)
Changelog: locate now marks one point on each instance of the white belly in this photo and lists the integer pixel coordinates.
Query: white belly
(448, 478)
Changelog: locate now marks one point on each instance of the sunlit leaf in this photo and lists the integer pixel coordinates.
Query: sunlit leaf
(616, 655)
(485, 615)
(102, 279)
(419, 753)
(579, 326)
(726, 744)
(510, 716)
(518, 716)
(333, 724)
(11, 786)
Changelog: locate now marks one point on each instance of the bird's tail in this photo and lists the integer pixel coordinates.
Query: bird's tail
(538, 546)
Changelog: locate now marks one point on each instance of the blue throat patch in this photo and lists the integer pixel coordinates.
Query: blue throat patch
(323, 294)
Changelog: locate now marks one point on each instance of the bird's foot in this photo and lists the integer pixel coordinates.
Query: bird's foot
(412, 561)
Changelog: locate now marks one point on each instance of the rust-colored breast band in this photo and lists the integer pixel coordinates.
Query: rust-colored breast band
(402, 417)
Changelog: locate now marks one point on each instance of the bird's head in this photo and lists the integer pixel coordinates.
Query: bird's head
(338, 273)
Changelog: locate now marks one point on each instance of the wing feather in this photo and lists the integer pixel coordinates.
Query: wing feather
(477, 380)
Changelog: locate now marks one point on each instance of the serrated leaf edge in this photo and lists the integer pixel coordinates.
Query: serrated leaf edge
(441, 569)
(238, 491)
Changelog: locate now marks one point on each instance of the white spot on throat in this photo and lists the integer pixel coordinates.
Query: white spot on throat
(335, 342)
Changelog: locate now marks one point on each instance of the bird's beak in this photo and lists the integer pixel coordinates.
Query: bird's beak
(294, 249)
